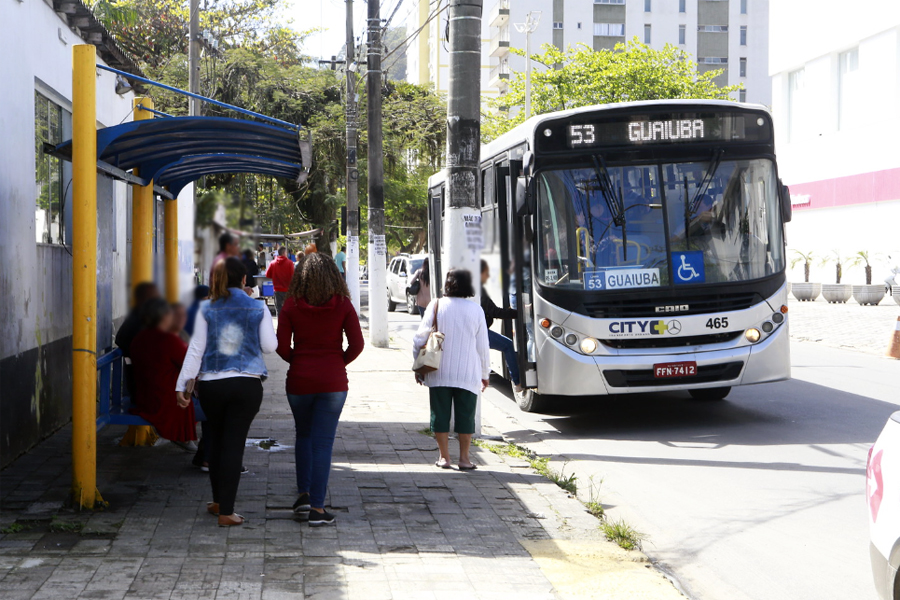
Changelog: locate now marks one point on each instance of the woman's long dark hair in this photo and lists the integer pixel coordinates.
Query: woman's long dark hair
(228, 273)
(425, 277)
(320, 280)
(153, 311)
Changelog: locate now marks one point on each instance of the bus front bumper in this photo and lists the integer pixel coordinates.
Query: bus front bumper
(568, 373)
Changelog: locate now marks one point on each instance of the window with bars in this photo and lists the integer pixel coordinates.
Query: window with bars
(742, 96)
(682, 34)
(647, 31)
(743, 67)
(48, 128)
(743, 35)
(609, 29)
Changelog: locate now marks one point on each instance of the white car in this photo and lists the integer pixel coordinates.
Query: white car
(882, 491)
(400, 273)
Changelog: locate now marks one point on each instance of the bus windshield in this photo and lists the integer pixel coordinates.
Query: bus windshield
(658, 225)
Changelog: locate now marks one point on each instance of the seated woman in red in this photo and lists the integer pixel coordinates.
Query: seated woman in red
(156, 357)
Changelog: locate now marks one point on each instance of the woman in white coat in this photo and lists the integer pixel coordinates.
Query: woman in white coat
(465, 365)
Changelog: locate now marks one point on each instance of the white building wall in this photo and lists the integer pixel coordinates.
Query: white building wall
(816, 150)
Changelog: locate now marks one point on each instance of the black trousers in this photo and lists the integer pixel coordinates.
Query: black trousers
(230, 406)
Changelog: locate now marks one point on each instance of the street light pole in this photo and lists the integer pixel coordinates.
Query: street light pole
(378, 326)
(352, 111)
(528, 27)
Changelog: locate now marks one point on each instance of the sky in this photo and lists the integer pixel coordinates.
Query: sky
(331, 16)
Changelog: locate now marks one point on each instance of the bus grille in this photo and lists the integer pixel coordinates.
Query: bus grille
(671, 341)
(619, 378)
(631, 308)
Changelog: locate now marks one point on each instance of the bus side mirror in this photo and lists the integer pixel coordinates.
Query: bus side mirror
(523, 202)
(787, 209)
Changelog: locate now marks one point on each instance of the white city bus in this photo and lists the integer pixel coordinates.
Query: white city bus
(643, 244)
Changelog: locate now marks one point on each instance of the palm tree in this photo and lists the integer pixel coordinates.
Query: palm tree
(863, 257)
(806, 258)
(839, 262)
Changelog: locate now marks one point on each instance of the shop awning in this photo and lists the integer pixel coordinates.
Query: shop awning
(176, 151)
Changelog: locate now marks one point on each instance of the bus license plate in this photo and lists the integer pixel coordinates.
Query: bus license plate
(678, 369)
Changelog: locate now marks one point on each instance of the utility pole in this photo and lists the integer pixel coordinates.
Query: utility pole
(194, 57)
(378, 326)
(528, 27)
(462, 223)
(463, 217)
(352, 114)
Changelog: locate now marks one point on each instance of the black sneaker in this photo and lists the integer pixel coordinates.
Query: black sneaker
(317, 519)
(302, 504)
(244, 470)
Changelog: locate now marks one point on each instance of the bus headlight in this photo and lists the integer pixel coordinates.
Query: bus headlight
(556, 331)
(752, 335)
(768, 327)
(571, 339)
(588, 345)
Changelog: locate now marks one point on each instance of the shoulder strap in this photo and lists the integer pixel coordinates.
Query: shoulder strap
(435, 325)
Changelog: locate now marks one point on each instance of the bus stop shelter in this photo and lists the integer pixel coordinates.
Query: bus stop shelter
(158, 157)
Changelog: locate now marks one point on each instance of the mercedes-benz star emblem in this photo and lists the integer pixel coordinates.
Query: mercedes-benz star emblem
(674, 327)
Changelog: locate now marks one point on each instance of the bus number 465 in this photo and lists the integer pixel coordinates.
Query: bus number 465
(717, 323)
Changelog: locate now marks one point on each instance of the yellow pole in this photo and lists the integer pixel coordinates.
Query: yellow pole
(142, 216)
(84, 277)
(141, 259)
(171, 209)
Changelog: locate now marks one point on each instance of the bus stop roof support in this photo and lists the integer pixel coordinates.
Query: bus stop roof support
(84, 278)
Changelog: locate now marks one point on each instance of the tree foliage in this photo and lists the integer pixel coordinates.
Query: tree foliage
(581, 76)
(259, 65)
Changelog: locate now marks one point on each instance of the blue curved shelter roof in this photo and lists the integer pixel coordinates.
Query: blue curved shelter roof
(178, 150)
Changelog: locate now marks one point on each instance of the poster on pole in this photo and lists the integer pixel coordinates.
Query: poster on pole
(379, 245)
(352, 247)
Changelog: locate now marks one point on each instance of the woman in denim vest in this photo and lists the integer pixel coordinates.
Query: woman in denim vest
(232, 331)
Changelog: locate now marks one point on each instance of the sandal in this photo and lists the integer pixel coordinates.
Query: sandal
(471, 467)
(212, 508)
(230, 520)
(442, 465)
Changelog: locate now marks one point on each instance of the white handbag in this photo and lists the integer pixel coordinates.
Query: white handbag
(429, 357)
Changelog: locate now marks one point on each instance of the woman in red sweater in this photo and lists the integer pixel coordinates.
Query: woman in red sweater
(316, 315)
(156, 358)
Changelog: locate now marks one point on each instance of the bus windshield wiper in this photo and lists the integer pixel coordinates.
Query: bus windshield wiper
(613, 202)
(707, 179)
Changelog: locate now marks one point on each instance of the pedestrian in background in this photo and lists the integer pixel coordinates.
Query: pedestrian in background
(340, 259)
(228, 246)
(498, 341)
(179, 321)
(260, 258)
(316, 316)
(423, 293)
(131, 326)
(231, 333)
(465, 365)
(252, 270)
(157, 355)
(280, 272)
(201, 293)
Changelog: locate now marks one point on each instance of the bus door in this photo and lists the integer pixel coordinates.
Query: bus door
(501, 185)
(520, 297)
(435, 241)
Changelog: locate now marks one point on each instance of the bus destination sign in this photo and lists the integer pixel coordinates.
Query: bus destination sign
(640, 130)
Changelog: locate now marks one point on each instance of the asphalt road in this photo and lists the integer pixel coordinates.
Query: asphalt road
(759, 497)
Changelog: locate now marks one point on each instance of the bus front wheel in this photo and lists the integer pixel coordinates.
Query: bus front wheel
(531, 401)
(710, 393)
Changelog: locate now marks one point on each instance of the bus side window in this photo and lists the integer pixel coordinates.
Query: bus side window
(488, 208)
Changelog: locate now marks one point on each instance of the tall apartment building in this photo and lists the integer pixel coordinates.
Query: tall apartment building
(428, 57)
(719, 34)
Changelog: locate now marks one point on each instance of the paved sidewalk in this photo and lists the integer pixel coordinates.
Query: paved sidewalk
(851, 326)
(405, 529)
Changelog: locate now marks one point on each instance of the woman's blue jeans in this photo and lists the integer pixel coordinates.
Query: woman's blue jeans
(316, 419)
(506, 346)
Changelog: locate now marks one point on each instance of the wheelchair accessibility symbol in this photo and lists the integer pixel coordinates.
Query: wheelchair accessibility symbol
(688, 267)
